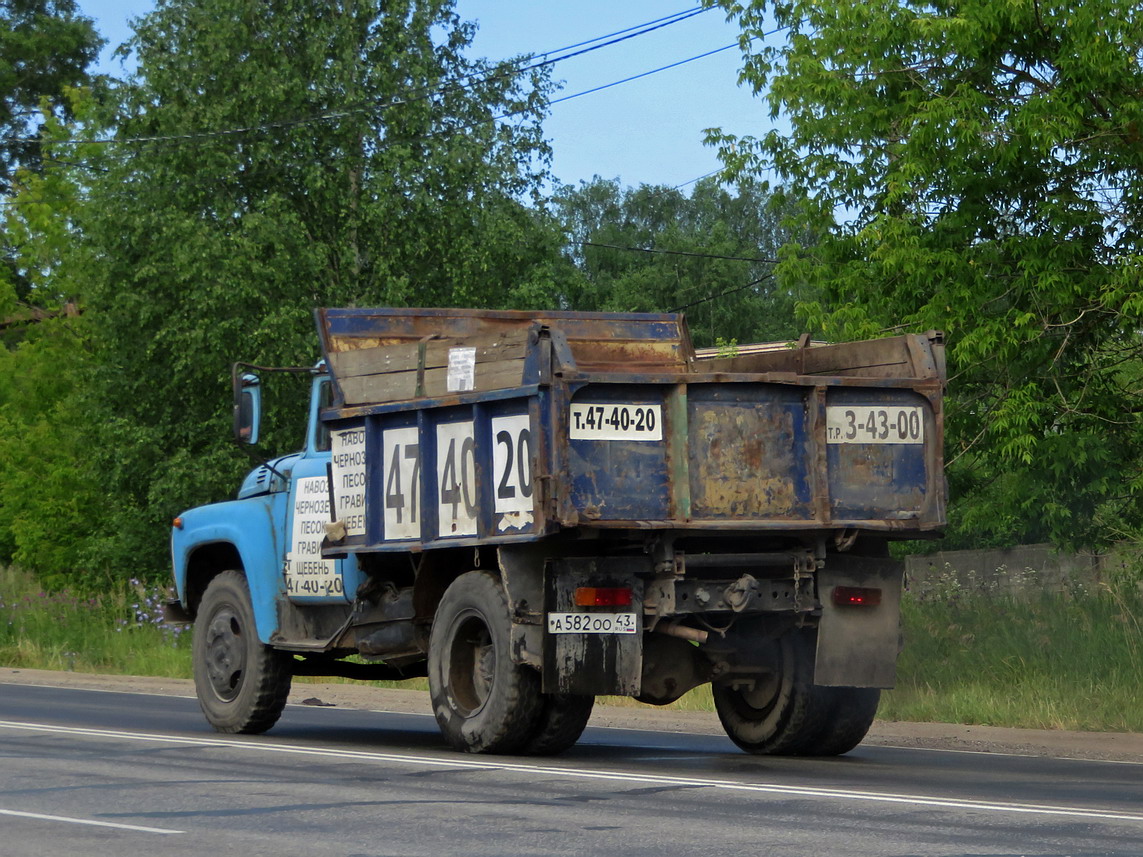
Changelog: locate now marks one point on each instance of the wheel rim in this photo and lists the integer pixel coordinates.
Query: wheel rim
(471, 663)
(225, 654)
(760, 700)
(759, 711)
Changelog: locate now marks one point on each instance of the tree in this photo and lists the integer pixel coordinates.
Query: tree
(977, 167)
(655, 249)
(46, 48)
(273, 156)
(45, 491)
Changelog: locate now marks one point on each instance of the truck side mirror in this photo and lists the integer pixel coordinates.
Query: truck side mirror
(247, 407)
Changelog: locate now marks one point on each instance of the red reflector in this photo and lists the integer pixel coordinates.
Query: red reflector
(177, 523)
(856, 596)
(596, 596)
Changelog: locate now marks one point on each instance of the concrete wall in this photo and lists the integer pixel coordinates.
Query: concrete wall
(1014, 572)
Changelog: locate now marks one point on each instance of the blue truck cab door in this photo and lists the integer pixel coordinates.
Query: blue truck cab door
(309, 578)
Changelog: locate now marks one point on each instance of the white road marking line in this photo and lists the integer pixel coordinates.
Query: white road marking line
(585, 774)
(134, 827)
(1003, 754)
(1008, 755)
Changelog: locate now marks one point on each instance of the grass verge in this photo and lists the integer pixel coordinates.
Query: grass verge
(1064, 661)
(118, 631)
(1070, 661)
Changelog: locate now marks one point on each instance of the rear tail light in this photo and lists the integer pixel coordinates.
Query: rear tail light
(603, 596)
(856, 596)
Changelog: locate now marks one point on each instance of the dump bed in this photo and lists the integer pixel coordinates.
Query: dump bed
(453, 427)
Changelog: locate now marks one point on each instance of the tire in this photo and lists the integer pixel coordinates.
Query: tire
(849, 712)
(483, 701)
(562, 719)
(782, 713)
(242, 684)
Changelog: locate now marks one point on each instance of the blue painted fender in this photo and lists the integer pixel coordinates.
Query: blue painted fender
(255, 528)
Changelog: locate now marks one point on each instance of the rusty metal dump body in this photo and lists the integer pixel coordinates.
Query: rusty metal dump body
(460, 427)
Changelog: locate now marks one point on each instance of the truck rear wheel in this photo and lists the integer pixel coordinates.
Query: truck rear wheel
(779, 713)
(242, 684)
(850, 713)
(483, 701)
(562, 719)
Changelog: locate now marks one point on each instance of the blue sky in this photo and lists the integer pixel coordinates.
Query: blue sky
(646, 131)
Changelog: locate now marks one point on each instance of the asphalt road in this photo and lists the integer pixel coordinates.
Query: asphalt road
(107, 773)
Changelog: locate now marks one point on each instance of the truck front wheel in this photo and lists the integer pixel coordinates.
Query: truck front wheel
(483, 701)
(776, 712)
(242, 684)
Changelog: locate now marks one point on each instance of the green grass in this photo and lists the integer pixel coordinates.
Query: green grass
(117, 631)
(1048, 662)
(1055, 662)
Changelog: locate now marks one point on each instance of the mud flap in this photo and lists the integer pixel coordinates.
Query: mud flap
(593, 663)
(857, 644)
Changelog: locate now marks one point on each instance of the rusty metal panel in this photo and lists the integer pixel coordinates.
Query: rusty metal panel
(883, 472)
(368, 371)
(596, 340)
(916, 356)
(749, 452)
(754, 452)
(614, 475)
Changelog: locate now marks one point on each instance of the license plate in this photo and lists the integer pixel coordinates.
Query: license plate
(874, 424)
(592, 623)
(615, 422)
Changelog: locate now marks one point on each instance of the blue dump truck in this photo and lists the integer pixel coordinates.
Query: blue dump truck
(533, 509)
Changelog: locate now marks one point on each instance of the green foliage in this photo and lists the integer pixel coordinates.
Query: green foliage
(50, 501)
(655, 249)
(45, 48)
(50, 498)
(977, 168)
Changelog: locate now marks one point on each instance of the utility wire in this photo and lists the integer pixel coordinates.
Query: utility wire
(679, 253)
(636, 77)
(342, 114)
(685, 13)
(644, 74)
(723, 293)
(699, 179)
(640, 32)
(423, 96)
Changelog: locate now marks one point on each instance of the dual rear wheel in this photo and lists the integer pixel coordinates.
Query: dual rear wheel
(781, 712)
(484, 702)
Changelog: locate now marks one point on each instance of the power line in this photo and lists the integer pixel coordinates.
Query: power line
(680, 253)
(699, 179)
(645, 74)
(685, 13)
(475, 79)
(723, 293)
(650, 28)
